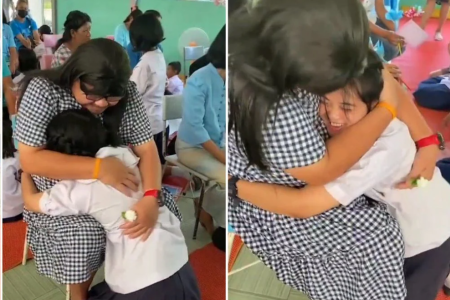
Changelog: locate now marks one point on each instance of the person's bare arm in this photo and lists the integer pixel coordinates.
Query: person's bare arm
(9, 95)
(37, 38)
(215, 151)
(381, 11)
(24, 41)
(14, 62)
(149, 165)
(31, 195)
(297, 203)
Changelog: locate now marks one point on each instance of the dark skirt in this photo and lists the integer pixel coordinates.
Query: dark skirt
(426, 272)
(180, 286)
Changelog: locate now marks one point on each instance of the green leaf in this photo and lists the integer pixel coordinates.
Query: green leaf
(414, 182)
(123, 215)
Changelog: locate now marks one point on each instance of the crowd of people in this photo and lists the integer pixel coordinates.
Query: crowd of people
(333, 181)
(91, 127)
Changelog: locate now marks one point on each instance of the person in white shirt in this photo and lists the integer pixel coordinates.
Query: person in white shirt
(422, 213)
(175, 85)
(146, 33)
(12, 202)
(157, 268)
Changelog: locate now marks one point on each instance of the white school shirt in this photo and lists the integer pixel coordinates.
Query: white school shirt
(150, 78)
(446, 81)
(12, 201)
(130, 265)
(175, 85)
(422, 213)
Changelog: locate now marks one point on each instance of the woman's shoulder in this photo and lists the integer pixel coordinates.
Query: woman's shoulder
(6, 28)
(39, 88)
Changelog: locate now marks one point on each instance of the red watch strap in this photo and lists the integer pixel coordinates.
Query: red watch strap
(428, 141)
(152, 193)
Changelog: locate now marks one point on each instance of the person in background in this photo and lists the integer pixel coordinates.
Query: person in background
(77, 31)
(9, 98)
(434, 92)
(12, 201)
(200, 142)
(429, 10)
(198, 64)
(382, 30)
(24, 28)
(28, 61)
(176, 85)
(135, 56)
(149, 74)
(44, 29)
(122, 34)
(9, 46)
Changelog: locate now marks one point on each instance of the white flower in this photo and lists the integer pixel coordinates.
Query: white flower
(422, 182)
(129, 215)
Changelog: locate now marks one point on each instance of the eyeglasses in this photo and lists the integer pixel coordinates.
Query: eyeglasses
(107, 98)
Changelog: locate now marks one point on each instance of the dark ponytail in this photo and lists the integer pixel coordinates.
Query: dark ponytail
(278, 47)
(74, 21)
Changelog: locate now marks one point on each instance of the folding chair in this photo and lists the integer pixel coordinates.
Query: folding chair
(173, 110)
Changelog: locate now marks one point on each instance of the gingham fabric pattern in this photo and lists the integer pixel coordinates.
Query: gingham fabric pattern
(69, 248)
(60, 56)
(347, 253)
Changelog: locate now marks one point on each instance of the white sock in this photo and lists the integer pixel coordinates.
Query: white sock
(447, 282)
(175, 171)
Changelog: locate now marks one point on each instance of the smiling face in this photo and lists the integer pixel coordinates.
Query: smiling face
(341, 109)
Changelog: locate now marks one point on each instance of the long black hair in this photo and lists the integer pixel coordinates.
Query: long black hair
(5, 20)
(74, 21)
(133, 15)
(217, 53)
(77, 132)
(277, 47)
(8, 142)
(101, 63)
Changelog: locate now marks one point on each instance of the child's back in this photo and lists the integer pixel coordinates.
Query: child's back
(130, 264)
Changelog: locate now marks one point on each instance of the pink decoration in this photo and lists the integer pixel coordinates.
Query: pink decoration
(220, 2)
(413, 12)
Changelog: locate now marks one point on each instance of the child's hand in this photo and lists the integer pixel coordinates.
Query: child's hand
(394, 70)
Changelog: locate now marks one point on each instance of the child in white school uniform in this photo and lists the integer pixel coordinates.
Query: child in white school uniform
(157, 268)
(422, 213)
(12, 202)
(175, 85)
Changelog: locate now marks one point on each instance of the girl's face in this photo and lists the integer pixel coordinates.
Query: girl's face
(96, 104)
(338, 114)
(82, 35)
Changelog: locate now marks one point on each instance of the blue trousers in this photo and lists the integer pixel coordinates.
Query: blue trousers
(444, 166)
(433, 95)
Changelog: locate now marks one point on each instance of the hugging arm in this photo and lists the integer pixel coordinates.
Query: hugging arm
(314, 200)
(61, 200)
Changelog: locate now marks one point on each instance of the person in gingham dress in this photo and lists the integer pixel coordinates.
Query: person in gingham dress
(352, 253)
(70, 249)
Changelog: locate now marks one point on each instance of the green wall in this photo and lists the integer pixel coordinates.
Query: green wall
(413, 3)
(177, 17)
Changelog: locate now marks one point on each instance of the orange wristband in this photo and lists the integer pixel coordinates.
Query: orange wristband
(389, 107)
(97, 168)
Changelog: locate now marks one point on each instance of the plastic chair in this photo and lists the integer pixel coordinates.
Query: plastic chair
(50, 41)
(172, 110)
(46, 61)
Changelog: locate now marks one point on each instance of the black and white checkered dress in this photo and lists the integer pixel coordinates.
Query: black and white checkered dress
(69, 248)
(347, 253)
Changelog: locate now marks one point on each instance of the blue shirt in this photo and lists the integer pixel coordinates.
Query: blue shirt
(135, 57)
(6, 73)
(204, 110)
(26, 29)
(8, 41)
(122, 35)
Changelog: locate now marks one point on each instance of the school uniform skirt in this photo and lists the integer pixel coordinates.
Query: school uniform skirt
(426, 272)
(433, 95)
(180, 286)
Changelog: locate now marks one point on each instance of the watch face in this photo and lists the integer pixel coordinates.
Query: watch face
(441, 141)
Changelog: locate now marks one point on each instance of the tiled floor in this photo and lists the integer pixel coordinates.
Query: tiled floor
(258, 282)
(23, 282)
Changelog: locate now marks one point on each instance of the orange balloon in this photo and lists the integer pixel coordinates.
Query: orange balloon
(193, 44)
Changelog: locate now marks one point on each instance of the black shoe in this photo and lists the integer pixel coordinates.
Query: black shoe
(446, 291)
